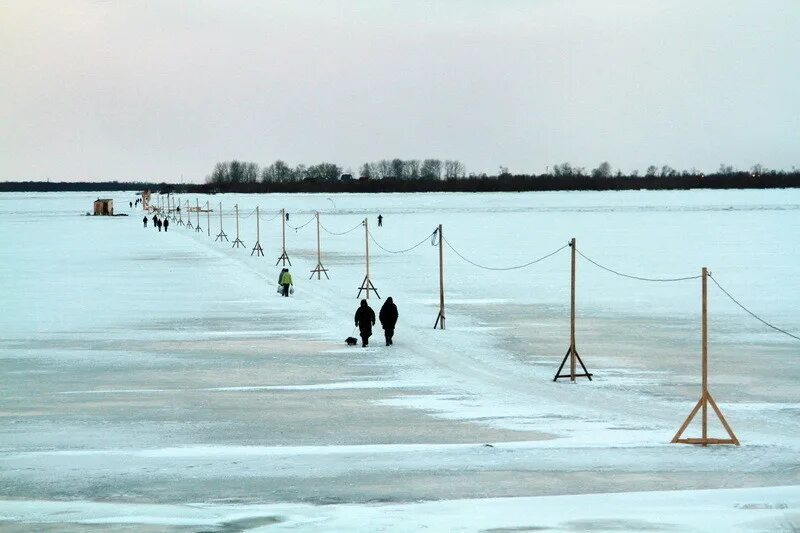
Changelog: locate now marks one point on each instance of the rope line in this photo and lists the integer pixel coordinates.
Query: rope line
(310, 220)
(420, 243)
(343, 232)
(631, 276)
(502, 268)
(253, 212)
(749, 312)
(276, 215)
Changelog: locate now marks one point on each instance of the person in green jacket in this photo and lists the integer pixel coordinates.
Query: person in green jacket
(285, 281)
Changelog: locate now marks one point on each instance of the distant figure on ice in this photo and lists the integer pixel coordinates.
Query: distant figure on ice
(365, 319)
(388, 317)
(285, 281)
(144, 220)
(287, 217)
(380, 220)
(178, 209)
(159, 224)
(130, 204)
(166, 224)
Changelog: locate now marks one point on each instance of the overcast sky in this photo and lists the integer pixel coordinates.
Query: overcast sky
(163, 89)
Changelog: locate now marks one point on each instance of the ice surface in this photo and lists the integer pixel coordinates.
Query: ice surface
(151, 370)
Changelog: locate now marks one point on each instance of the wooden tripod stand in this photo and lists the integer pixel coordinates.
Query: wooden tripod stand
(238, 242)
(367, 285)
(197, 210)
(440, 317)
(572, 352)
(221, 235)
(188, 216)
(705, 396)
(284, 256)
(257, 247)
(180, 215)
(319, 269)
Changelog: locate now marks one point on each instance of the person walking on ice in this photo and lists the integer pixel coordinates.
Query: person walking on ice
(365, 319)
(285, 281)
(388, 317)
(380, 220)
(166, 224)
(144, 221)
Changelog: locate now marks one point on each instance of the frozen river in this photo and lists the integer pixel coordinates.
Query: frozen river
(157, 381)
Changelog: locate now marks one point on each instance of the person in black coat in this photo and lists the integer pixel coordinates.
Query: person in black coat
(166, 224)
(388, 318)
(365, 319)
(145, 221)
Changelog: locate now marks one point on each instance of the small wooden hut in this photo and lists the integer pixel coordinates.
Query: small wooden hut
(104, 206)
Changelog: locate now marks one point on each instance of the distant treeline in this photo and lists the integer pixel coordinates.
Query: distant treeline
(432, 175)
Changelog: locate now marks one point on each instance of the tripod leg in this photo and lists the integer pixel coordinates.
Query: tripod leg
(563, 362)
(688, 420)
(588, 375)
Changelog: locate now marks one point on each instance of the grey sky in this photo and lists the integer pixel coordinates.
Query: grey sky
(163, 89)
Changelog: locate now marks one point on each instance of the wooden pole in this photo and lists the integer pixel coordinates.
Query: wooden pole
(208, 218)
(366, 241)
(572, 316)
(283, 231)
(705, 395)
(367, 284)
(237, 242)
(440, 318)
(188, 216)
(319, 250)
(704, 329)
(319, 269)
(197, 228)
(572, 352)
(257, 250)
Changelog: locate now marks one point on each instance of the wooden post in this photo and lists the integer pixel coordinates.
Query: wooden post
(257, 247)
(367, 285)
(440, 318)
(283, 257)
(180, 215)
(704, 350)
(197, 208)
(319, 269)
(221, 235)
(572, 313)
(238, 242)
(208, 218)
(705, 395)
(188, 216)
(572, 351)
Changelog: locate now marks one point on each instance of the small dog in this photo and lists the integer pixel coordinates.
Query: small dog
(351, 341)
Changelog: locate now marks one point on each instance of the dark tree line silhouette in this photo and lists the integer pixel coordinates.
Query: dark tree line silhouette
(433, 175)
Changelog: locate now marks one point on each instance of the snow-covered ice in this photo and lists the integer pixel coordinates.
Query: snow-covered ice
(157, 379)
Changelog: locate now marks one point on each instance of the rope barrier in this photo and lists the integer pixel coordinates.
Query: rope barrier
(749, 312)
(634, 277)
(502, 268)
(272, 218)
(344, 232)
(406, 249)
(253, 212)
(310, 220)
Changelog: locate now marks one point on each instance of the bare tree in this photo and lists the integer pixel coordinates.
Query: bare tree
(411, 168)
(454, 169)
(603, 170)
(431, 169)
